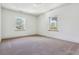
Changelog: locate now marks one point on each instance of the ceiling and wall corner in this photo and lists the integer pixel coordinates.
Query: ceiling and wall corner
(32, 8)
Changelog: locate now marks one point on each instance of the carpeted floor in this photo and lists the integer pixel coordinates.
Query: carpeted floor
(38, 45)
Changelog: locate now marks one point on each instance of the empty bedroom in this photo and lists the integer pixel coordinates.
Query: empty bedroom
(39, 29)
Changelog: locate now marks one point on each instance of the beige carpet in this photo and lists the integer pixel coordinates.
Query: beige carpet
(37, 45)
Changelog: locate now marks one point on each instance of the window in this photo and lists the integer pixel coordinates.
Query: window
(53, 24)
(20, 23)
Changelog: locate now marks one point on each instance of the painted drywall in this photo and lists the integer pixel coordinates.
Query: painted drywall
(9, 24)
(0, 22)
(68, 23)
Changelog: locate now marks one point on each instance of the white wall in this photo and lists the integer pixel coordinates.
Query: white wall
(8, 24)
(0, 22)
(68, 20)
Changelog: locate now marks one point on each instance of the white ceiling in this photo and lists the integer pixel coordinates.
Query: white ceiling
(31, 8)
